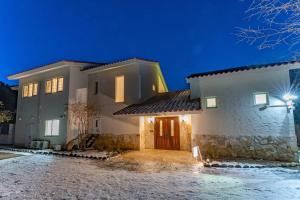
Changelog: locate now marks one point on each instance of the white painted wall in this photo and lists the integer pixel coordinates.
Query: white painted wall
(236, 113)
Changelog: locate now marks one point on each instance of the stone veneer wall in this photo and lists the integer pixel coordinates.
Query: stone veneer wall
(118, 142)
(255, 147)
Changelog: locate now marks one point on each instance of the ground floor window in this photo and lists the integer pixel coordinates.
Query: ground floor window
(52, 127)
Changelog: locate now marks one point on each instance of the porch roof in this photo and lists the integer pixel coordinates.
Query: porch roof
(166, 102)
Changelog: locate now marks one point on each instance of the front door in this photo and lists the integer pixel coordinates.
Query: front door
(166, 133)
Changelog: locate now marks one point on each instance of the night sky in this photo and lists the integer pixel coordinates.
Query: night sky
(185, 36)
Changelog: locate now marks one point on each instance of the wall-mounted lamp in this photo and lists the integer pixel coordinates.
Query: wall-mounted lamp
(150, 119)
(184, 118)
(289, 100)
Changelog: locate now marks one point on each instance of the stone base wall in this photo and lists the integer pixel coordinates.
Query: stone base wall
(254, 147)
(117, 142)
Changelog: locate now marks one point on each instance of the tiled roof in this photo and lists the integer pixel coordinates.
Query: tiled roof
(162, 103)
(243, 68)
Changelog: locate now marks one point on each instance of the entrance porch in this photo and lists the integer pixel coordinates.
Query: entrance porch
(167, 132)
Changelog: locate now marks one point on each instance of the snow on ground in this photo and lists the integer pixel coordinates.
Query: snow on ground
(51, 177)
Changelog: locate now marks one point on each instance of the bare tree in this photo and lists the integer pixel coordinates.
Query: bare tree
(279, 23)
(80, 116)
(5, 115)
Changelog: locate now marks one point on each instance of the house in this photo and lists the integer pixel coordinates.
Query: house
(246, 112)
(8, 100)
(46, 92)
(242, 112)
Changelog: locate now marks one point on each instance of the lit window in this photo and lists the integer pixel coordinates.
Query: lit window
(30, 88)
(52, 127)
(153, 88)
(211, 102)
(48, 86)
(35, 89)
(119, 89)
(172, 127)
(161, 128)
(54, 85)
(161, 87)
(60, 86)
(25, 91)
(260, 98)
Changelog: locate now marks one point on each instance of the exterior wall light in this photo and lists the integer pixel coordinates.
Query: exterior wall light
(289, 98)
(184, 118)
(150, 119)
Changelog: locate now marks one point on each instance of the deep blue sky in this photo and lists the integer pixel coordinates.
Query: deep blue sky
(186, 36)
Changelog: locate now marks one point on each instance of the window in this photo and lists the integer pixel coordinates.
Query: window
(30, 87)
(30, 90)
(96, 87)
(35, 89)
(60, 86)
(153, 88)
(48, 86)
(119, 89)
(260, 98)
(54, 85)
(52, 127)
(161, 87)
(172, 127)
(25, 91)
(161, 128)
(211, 102)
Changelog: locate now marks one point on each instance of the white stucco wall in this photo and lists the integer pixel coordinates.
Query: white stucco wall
(236, 113)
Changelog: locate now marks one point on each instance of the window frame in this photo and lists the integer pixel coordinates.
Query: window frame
(119, 100)
(46, 134)
(259, 93)
(26, 89)
(211, 97)
(52, 89)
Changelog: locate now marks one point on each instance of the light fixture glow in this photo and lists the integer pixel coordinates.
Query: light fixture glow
(289, 97)
(184, 118)
(150, 119)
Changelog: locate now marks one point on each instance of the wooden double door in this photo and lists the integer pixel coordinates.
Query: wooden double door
(166, 133)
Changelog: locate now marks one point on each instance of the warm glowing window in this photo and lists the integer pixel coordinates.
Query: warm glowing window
(161, 87)
(119, 89)
(48, 86)
(54, 85)
(30, 90)
(161, 128)
(25, 91)
(211, 102)
(60, 85)
(52, 127)
(172, 127)
(260, 98)
(35, 89)
(153, 88)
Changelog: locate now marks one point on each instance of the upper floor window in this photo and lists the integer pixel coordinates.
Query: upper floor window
(54, 85)
(261, 98)
(161, 87)
(119, 89)
(211, 102)
(30, 89)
